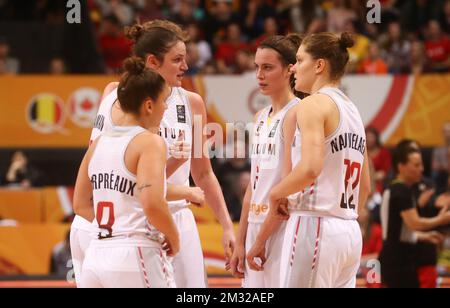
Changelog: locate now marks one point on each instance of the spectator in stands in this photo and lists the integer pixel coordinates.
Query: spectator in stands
(114, 47)
(245, 62)
(21, 173)
(121, 9)
(402, 225)
(418, 60)
(234, 177)
(11, 65)
(373, 64)
(252, 16)
(187, 13)
(150, 11)
(60, 264)
(380, 157)
(219, 17)
(397, 49)
(57, 66)
(270, 29)
(361, 48)
(437, 48)
(227, 51)
(3, 69)
(339, 15)
(444, 17)
(202, 46)
(440, 162)
(417, 13)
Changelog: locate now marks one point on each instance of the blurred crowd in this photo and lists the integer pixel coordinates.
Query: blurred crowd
(411, 38)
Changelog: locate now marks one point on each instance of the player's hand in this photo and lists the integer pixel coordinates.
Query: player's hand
(228, 243)
(196, 196)
(279, 208)
(425, 197)
(444, 216)
(237, 262)
(171, 247)
(256, 257)
(432, 237)
(443, 200)
(180, 150)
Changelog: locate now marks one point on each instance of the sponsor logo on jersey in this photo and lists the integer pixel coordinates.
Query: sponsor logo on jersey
(181, 114)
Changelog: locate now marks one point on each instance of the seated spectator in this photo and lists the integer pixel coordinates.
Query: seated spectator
(21, 173)
(380, 157)
(245, 62)
(373, 64)
(444, 17)
(397, 49)
(402, 225)
(234, 178)
(270, 29)
(202, 46)
(437, 48)
(187, 13)
(60, 264)
(252, 16)
(150, 11)
(361, 48)
(10, 65)
(339, 15)
(121, 9)
(227, 51)
(3, 69)
(440, 161)
(219, 16)
(57, 66)
(418, 60)
(114, 47)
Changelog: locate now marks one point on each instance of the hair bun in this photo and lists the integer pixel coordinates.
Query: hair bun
(295, 39)
(134, 66)
(346, 40)
(134, 32)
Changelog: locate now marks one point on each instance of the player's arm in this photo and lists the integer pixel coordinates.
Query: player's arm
(83, 195)
(275, 218)
(205, 178)
(150, 183)
(311, 121)
(365, 185)
(195, 195)
(416, 223)
(237, 263)
(179, 153)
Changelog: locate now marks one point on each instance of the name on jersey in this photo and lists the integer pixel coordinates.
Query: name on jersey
(172, 133)
(111, 181)
(99, 122)
(264, 149)
(348, 141)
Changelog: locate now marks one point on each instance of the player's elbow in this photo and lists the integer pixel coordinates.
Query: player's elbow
(313, 170)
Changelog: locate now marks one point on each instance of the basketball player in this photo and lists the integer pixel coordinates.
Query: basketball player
(121, 184)
(161, 44)
(323, 243)
(271, 157)
(109, 116)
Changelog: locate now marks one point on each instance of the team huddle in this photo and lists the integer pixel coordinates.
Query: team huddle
(309, 173)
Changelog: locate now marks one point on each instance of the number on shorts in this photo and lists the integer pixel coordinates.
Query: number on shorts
(351, 168)
(101, 207)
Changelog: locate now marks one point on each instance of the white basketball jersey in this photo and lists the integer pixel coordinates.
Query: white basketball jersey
(267, 159)
(118, 212)
(336, 191)
(178, 119)
(103, 122)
